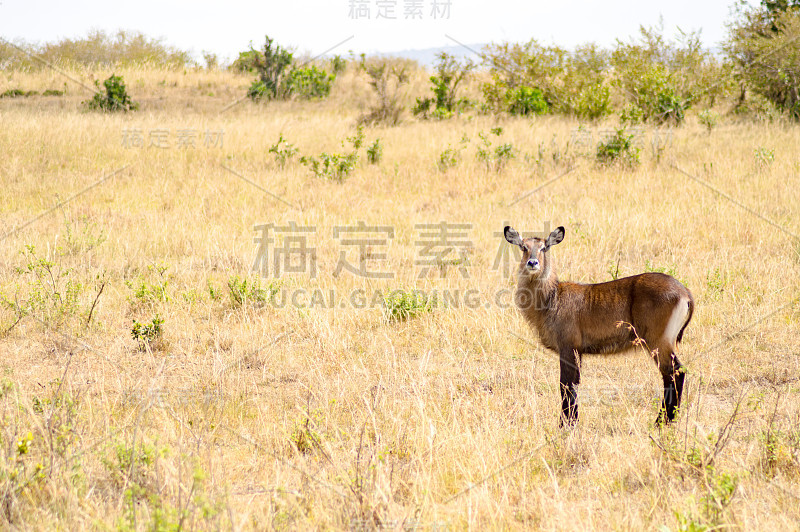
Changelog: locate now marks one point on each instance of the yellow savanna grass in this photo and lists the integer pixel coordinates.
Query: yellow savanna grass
(252, 417)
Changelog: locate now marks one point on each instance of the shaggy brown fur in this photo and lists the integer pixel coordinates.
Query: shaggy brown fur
(576, 319)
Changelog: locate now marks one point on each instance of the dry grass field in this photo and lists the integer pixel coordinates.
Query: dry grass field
(319, 414)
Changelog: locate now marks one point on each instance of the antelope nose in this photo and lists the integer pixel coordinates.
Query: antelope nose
(533, 263)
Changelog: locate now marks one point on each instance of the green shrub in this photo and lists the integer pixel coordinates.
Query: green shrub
(764, 156)
(246, 292)
(494, 157)
(450, 73)
(53, 295)
(115, 98)
(270, 65)
(12, 93)
(402, 305)
(147, 333)
(336, 166)
(375, 152)
(756, 107)
(338, 65)
(631, 114)
(278, 78)
(764, 43)
(560, 74)
(618, 149)
(524, 101)
(309, 83)
(213, 291)
(283, 151)
(656, 98)
(149, 293)
(709, 119)
(246, 62)
(450, 157)
(258, 90)
(593, 103)
(664, 77)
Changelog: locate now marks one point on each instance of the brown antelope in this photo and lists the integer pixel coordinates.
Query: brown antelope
(575, 319)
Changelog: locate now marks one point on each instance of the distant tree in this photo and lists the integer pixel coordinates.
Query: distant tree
(271, 66)
(764, 44)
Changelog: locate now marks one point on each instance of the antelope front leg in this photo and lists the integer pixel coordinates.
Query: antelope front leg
(570, 377)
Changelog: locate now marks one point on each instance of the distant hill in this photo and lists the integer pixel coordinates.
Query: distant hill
(427, 56)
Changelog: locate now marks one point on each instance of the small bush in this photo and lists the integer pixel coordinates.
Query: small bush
(278, 78)
(309, 83)
(12, 93)
(258, 91)
(53, 293)
(386, 78)
(246, 62)
(494, 157)
(149, 293)
(716, 283)
(709, 119)
(593, 103)
(283, 151)
(246, 292)
(618, 149)
(338, 65)
(764, 156)
(147, 333)
(524, 101)
(213, 291)
(656, 98)
(305, 436)
(450, 73)
(402, 305)
(336, 166)
(758, 108)
(271, 65)
(631, 115)
(448, 158)
(115, 98)
(375, 152)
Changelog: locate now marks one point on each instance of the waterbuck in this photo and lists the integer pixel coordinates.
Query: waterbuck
(575, 319)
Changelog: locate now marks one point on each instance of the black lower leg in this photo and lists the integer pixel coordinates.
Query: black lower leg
(570, 377)
(569, 404)
(673, 390)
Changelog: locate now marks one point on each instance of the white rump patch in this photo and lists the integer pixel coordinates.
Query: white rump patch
(678, 319)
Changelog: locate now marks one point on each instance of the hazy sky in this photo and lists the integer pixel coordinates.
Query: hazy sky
(316, 25)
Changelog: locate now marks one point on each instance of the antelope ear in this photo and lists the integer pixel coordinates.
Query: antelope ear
(512, 237)
(555, 237)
